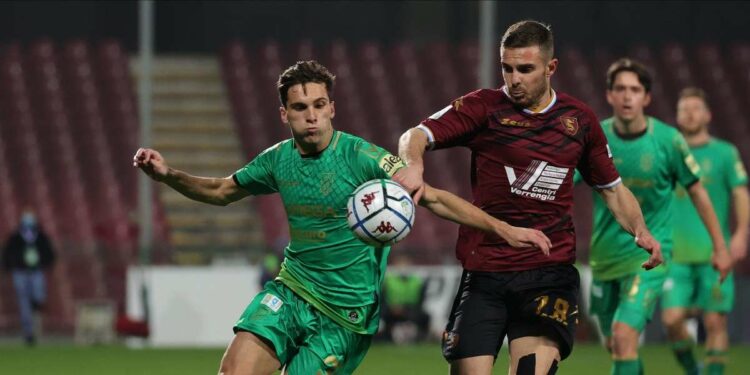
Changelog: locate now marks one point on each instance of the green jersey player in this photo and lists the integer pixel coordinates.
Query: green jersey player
(691, 281)
(652, 159)
(320, 313)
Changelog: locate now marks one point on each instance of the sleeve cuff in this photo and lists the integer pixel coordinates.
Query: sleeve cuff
(609, 185)
(430, 136)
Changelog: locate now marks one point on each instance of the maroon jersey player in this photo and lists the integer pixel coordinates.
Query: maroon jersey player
(526, 141)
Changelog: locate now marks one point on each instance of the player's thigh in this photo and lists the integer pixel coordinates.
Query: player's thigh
(333, 349)
(279, 317)
(546, 306)
(638, 296)
(478, 318)
(680, 287)
(715, 296)
(248, 354)
(604, 298)
(534, 355)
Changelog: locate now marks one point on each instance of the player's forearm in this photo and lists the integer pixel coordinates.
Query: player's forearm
(412, 146)
(741, 203)
(450, 207)
(201, 189)
(705, 209)
(625, 209)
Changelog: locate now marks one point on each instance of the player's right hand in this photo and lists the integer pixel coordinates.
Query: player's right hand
(410, 177)
(525, 237)
(653, 247)
(722, 262)
(151, 162)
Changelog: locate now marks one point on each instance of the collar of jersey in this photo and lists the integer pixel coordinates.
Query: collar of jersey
(317, 154)
(544, 110)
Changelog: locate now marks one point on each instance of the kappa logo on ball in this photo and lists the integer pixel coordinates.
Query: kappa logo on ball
(367, 200)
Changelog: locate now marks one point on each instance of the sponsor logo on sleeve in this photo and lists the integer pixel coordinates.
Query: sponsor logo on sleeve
(272, 302)
(390, 164)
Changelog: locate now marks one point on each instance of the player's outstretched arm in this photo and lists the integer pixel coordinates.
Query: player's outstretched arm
(627, 212)
(216, 191)
(411, 148)
(721, 259)
(453, 208)
(741, 203)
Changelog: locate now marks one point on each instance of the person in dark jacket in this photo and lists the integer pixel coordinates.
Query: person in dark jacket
(27, 253)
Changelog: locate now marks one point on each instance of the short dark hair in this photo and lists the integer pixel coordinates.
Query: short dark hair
(304, 72)
(694, 92)
(629, 65)
(529, 33)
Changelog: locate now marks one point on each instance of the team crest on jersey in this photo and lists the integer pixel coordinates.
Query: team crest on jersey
(570, 124)
(539, 180)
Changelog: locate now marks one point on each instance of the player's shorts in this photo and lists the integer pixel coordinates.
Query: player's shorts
(491, 305)
(630, 299)
(304, 339)
(691, 285)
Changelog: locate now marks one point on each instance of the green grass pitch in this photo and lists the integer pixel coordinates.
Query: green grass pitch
(382, 359)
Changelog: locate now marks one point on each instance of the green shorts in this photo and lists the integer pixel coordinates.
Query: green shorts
(305, 340)
(630, 299)
(697, 285)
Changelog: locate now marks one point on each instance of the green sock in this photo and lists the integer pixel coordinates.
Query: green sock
(626, 367)
(683, 351)
(715, 362)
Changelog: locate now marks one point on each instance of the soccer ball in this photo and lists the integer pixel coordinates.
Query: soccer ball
(380, 212)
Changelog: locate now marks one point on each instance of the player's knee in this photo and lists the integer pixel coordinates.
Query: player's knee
(527, 365)
(672, 318)
(715, 322)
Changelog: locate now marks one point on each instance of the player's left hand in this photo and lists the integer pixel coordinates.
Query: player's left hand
(653, 247)
(525, 237)
(722, 262)
(738, 247)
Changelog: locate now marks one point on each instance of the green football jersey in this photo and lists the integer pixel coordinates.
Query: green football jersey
(721, 172)
(650, 166)
(324, 262)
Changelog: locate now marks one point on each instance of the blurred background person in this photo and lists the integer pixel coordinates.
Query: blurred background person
(403, 297)
(27, 254)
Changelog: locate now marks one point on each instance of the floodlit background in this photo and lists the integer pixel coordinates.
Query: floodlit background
(83, 84)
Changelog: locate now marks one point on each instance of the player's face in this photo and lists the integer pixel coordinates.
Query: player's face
(308, 113)
(526, 72)
(692, 115)
(628, 97)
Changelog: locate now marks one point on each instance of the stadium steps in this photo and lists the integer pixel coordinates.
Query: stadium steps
(194, 131)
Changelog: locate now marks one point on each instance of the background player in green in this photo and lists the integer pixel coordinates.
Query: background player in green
(691, 280)
(652, 158)
(320, 313)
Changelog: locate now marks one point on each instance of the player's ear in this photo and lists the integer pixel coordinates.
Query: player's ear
(647, 99)
(609, 97)
(333, 110)
(283, 115)
(551, 67)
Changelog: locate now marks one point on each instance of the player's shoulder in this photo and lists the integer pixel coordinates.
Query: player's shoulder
(348, 144)
(486, 97)
(573, 105)
(663, 129)
(275, 150)
(722, 145)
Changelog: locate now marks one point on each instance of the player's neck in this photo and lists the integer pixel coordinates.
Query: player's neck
(635, 126)
(312, 149)
(543, 101)
(699, 138)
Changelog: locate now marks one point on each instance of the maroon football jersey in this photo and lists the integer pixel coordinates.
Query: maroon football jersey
(522, 166)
